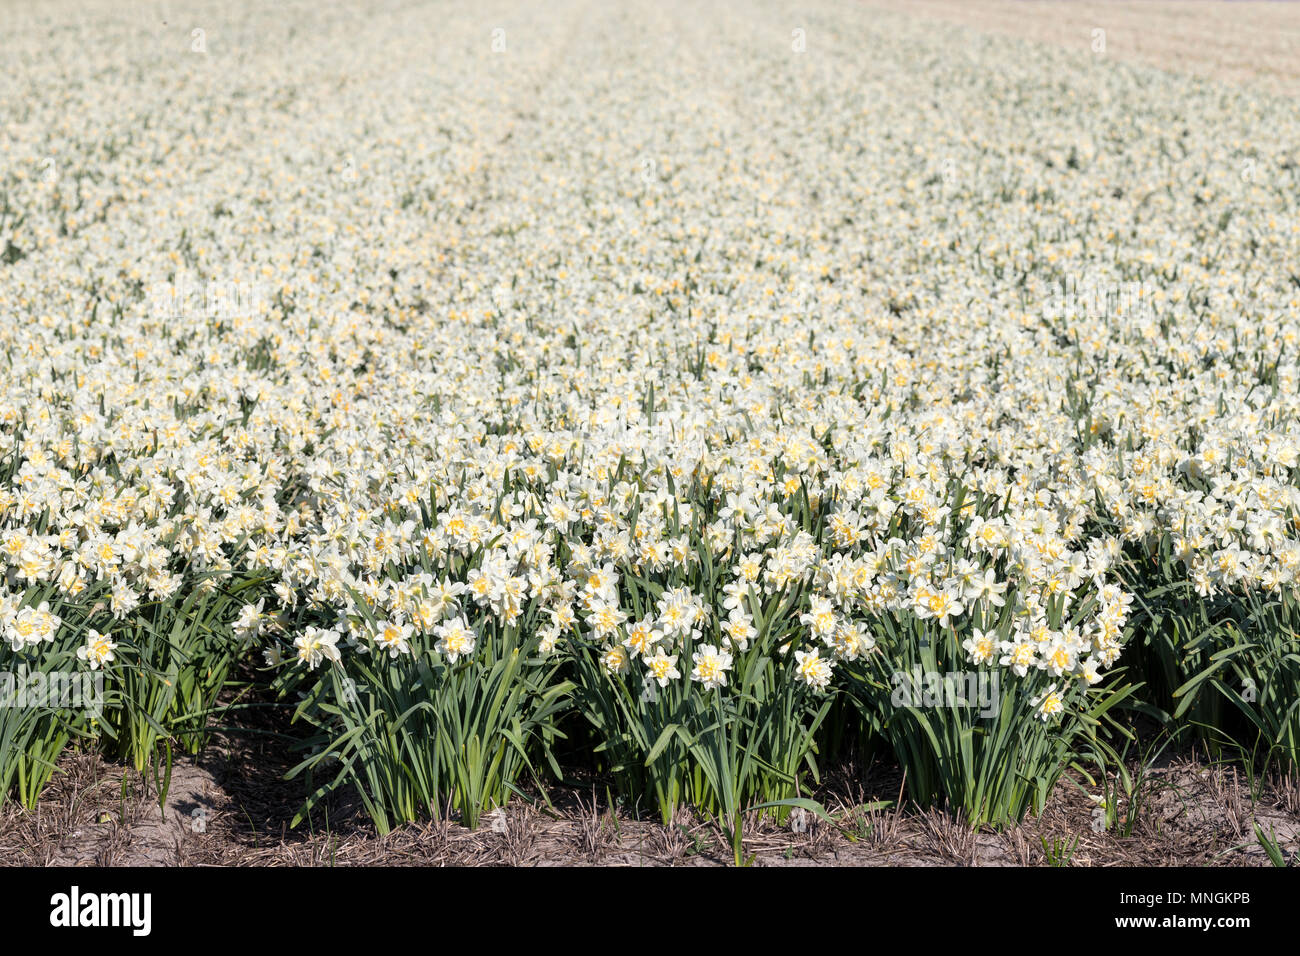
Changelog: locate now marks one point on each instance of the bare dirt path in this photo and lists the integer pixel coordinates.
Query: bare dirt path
(1255, 43)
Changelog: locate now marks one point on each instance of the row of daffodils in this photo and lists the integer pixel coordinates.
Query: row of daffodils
(687, 397)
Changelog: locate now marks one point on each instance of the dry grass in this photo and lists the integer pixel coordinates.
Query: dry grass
(1191, 812)
(234, 808)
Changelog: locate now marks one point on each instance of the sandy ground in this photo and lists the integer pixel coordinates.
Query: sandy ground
(1254, 43)
(232, 808)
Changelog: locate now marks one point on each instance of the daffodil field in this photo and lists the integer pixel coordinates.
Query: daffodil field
(693, 392)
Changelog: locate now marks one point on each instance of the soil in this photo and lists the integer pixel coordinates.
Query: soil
(233, 807)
